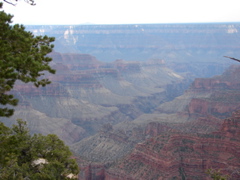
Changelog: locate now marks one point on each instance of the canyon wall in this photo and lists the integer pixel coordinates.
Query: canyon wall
(176, 155)
(181, 139)
(131, 119)
(85, 94)
(172, 42)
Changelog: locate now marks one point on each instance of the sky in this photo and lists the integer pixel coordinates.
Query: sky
(71, 12)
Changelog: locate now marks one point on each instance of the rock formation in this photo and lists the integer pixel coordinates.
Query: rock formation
(86, 94)
(182, 139)
(130, 119)
(173, 42)
(176, 155)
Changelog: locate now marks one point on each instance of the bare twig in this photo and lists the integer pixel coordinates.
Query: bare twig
(10, 2)
(31, 2)
(238, 60)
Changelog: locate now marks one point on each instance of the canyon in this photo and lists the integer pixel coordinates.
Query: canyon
(150, 101)
(138, 42)
(85, 94)
(183, 156)
(119, 115)
(197, 49)
(200, 133)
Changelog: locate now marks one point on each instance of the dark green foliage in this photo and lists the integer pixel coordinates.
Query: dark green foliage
(19, 150)
(22, 57)
(22, 156)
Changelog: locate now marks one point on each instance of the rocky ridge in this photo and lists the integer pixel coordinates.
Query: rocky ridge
(85, 94)
(181, 138)
(175, 155)
(172, 42)
(186, 156)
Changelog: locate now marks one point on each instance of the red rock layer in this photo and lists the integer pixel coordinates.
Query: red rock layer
(183, 156)
(177, 156)
(53, 89)
(222, 95)
(228, 81)
(206, 107)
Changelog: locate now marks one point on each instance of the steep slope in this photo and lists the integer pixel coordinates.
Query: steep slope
(175, 155)
(186, 127)
(186, 156)
(217, 96)
(39, 122)
(114, 142)
(88, 93)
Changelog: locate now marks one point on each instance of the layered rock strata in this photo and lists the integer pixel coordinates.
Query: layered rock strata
(180, 156)
(183, 138)
(87, 93)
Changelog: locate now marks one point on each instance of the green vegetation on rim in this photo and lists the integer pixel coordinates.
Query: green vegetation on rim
(22, 57)
(23, 156)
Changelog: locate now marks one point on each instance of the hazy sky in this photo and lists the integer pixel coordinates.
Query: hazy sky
(124, 11)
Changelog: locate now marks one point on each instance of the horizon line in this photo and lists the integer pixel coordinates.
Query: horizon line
(83, 24)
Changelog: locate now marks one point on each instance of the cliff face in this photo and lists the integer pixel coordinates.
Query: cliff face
(217, 96)
(182, 138)
(230, 127)
(181, 156)
(224, 94)
(229, 80)
(86, 93)
(198, 151)
(201, 107)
